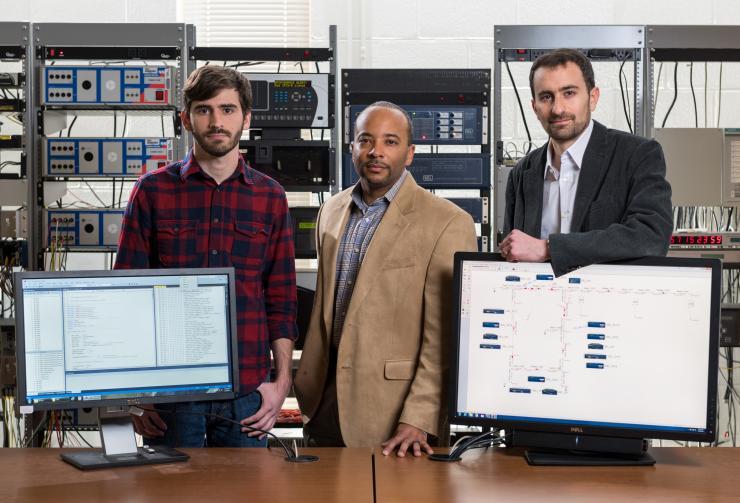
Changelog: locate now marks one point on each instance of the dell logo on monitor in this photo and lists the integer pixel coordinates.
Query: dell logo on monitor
(576, 429)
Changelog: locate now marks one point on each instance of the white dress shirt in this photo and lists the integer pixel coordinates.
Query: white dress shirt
(559, 191)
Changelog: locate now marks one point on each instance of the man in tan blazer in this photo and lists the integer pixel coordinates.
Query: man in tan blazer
(373, 369)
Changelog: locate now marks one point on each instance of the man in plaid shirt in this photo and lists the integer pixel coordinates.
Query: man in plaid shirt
(212, 210)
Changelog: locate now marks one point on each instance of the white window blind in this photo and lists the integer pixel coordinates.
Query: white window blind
(249, 23)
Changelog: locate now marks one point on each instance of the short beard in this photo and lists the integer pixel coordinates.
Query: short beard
(567, 134)
(216, 150)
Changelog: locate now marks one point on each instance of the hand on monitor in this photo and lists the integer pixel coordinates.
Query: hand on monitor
(149, 424)
(406, 437)
(521, 247)
(273, 396)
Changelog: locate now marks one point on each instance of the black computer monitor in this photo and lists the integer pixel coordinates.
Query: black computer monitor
(585, 367)
(117, 339)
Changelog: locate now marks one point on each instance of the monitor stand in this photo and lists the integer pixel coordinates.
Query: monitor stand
(571, 458)
(575, 449)
(119, 446)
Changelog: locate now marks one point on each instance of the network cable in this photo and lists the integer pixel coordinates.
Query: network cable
(719, 95)
(625, 92)
(693, 94)
(675, 93)
(521, 108)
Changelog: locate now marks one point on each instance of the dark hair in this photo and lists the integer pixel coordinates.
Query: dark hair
(393, 106)
(560, 57)
(207, 81)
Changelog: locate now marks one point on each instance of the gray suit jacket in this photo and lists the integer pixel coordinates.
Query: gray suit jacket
(622, 207)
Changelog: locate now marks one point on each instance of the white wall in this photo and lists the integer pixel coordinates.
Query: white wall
(90, 11)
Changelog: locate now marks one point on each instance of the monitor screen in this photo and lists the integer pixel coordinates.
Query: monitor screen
(626, 349)
(92, 338)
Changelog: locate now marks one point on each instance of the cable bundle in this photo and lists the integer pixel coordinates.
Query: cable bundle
(484, 440)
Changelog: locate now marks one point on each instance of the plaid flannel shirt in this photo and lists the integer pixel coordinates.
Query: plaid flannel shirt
(177, 216)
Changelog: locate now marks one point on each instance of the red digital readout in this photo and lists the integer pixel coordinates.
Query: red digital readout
(696, 239)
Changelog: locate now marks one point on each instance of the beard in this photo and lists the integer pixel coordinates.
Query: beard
(565, 133)
(214, 148)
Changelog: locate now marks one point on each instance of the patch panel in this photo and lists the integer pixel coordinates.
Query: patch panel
(82, 228)
(436, 125)
(103, 157)
(108, 85)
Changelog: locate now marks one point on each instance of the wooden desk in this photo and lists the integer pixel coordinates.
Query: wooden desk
(681, 474)
(340, 475)
(346, 475)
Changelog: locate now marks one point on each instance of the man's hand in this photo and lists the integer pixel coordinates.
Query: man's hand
(521, 247)
(273, 396)
(149, 424)
(407, 436)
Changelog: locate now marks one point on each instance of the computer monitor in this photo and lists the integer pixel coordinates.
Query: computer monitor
(116, 339)
(585, 367)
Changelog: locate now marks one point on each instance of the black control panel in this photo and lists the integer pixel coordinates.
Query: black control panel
(290, 100)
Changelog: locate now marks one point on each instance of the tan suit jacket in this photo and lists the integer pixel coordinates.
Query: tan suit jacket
(392, 357)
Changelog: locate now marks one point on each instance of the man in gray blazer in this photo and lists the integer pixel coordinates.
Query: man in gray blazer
(591, 194)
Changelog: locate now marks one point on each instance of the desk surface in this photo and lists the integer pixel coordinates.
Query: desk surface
(210, 475)
(696, 474)
(681, 474)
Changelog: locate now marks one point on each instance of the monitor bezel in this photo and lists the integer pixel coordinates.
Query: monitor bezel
(575, 427)
(21, 386)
